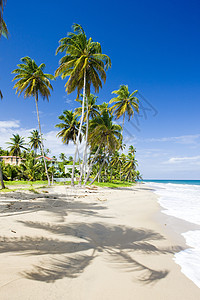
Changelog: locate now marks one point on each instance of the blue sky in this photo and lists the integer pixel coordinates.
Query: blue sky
(154, 47)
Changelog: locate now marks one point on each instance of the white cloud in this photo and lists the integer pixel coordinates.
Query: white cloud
(67, 100)
(186, 159)
(8, 128)
(9, 124)
(184, 139)
(51, 141)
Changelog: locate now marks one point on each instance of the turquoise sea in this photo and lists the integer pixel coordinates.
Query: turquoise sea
(190, 182)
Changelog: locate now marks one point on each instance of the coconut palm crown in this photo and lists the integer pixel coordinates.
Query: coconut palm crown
(32, 81)
(103, 132)
(69, 127)
(34, 140)
(82, 57)
(17, 143)
(124, 103)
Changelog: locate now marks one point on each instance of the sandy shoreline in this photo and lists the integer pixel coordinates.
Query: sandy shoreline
(89, 244)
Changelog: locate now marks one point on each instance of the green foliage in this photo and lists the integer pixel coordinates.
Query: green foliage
(93, 108)
(3, 26)
(82, 56)
(4, 152)
(32, 169)
(69, 127)
(124, 103)
(114, 184)
(34, 140)
(102, 131)
(31, 79)
(17, 143)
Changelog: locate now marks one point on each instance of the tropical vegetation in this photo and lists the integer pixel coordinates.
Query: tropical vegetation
(91, 127)
(32, 82)
(85, 65)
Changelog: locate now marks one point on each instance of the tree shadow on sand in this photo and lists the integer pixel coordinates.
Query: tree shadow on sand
(57, 204)
(81, 243)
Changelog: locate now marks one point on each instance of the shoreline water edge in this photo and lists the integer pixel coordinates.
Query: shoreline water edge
(181, 199)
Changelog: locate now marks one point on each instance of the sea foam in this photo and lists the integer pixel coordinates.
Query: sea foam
(183, 201)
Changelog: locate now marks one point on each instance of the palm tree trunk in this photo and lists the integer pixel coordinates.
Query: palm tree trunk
(42, 147)
(79, 131)
(99, 170)
(91, 165)
(1, 179)
(83, 167)
(123, 124)
(86, 138)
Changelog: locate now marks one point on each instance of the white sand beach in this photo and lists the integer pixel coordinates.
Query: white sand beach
(102, 244)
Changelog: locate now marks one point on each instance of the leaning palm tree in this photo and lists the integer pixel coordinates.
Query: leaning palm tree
(124, 103)
(32, 81)
(35, 141)
(85, 65)
(17, 143)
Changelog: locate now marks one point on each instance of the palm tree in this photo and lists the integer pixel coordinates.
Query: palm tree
(132, 150)
(17, 143)
(104, 134)
(35, 141)
(116, 163)
(31, 168)
(69, 127)
(32, 81)
(138, 175)
(124, 103)
(85, 65)
(130, 167)
(63, 157)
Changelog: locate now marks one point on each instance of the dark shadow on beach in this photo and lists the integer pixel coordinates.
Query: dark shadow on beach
(57, 204)
(77, 244)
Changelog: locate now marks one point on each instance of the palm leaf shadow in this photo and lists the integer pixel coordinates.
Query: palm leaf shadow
(67, 257)
(59, 268)
(126, 262)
